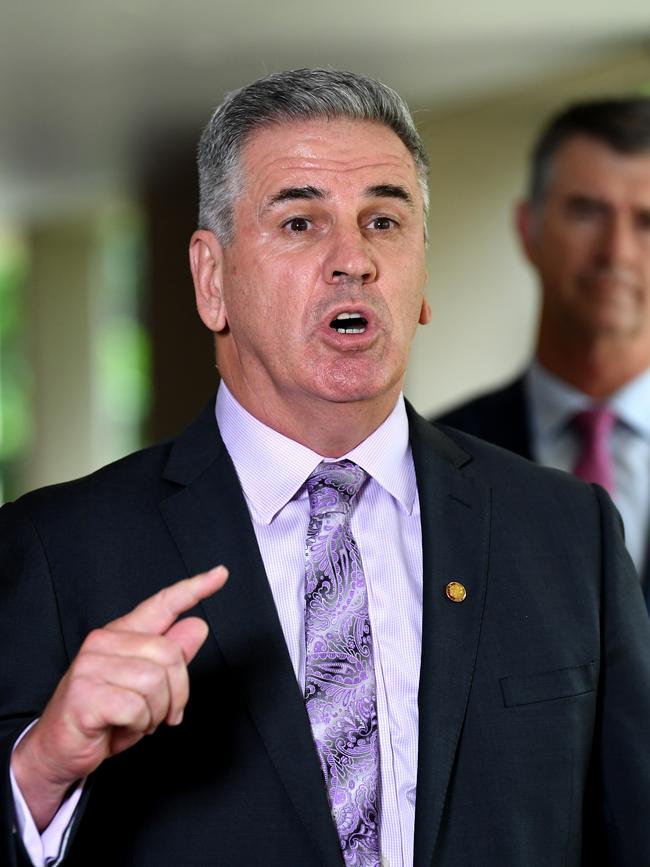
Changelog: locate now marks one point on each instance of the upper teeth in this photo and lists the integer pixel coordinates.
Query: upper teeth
(347, 329)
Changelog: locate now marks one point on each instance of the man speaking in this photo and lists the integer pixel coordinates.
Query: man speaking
(426, 651)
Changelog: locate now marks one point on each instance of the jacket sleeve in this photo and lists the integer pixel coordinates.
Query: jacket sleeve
(32, 652)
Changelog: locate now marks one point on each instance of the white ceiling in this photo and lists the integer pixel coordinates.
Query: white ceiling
(89, 89)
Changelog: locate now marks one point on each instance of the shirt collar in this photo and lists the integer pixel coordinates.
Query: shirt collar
(385, 455)
(632, 404)
(553, 402)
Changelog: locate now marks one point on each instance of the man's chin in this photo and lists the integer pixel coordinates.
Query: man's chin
(614, 328)
(354, 377)
(344, 389)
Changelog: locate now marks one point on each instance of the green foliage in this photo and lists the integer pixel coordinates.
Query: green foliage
(14, 376)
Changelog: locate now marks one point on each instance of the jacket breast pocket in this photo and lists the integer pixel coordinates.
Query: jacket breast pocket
(549, 685)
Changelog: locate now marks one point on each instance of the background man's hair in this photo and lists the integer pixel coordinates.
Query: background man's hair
(300, 94)
(623, 125)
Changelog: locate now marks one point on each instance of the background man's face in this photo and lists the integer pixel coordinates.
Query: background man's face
(591, 242)
(329, 223)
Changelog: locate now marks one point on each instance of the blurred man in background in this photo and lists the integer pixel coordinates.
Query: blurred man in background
(584, 403)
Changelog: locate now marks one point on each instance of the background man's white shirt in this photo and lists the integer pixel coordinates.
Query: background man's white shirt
(552, 403)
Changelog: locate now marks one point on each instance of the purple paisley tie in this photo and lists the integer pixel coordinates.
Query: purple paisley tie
(340, 690)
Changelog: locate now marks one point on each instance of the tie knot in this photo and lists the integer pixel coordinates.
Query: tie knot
(595, 423)
(333, 486)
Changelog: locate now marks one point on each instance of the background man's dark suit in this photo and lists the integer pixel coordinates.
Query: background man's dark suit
(501, 417)
(525, 688)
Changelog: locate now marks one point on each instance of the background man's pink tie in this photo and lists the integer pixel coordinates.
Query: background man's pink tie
(594, 463)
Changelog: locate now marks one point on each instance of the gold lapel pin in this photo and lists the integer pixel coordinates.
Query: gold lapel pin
(455, 591)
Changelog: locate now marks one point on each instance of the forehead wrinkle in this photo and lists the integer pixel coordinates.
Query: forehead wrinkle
(586, 164)
(319, 143)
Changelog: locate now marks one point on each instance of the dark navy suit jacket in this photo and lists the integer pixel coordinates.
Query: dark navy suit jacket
(534, 700)
(501, 417)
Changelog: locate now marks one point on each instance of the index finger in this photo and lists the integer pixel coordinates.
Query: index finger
(157, 613)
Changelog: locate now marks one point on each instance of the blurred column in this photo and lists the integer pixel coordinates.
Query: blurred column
(62, 259)
(88, 352)
(183, 362)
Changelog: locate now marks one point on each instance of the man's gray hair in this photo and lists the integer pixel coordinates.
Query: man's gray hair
(299, 94)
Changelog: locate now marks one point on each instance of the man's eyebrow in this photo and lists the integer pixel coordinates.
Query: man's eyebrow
(579, 201)
(287, 194)
(390, 191)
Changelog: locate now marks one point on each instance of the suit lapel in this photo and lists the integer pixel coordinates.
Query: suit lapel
(455, 525)
(645, 575)
(209, 521)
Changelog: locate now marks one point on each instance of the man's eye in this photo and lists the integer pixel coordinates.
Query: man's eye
(297, 224)
(581, 208)
(643, 221)
(382, 223)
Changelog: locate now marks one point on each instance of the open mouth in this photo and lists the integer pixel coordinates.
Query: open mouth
(349, 323)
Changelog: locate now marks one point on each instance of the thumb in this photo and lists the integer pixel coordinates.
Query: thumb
(189, 633)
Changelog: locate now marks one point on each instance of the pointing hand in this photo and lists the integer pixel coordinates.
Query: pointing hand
(128, 677)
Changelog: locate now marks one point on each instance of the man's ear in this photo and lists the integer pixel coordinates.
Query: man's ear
(206, 263)
(526, 227)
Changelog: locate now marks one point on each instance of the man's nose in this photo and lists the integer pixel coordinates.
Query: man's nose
(350, 257)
